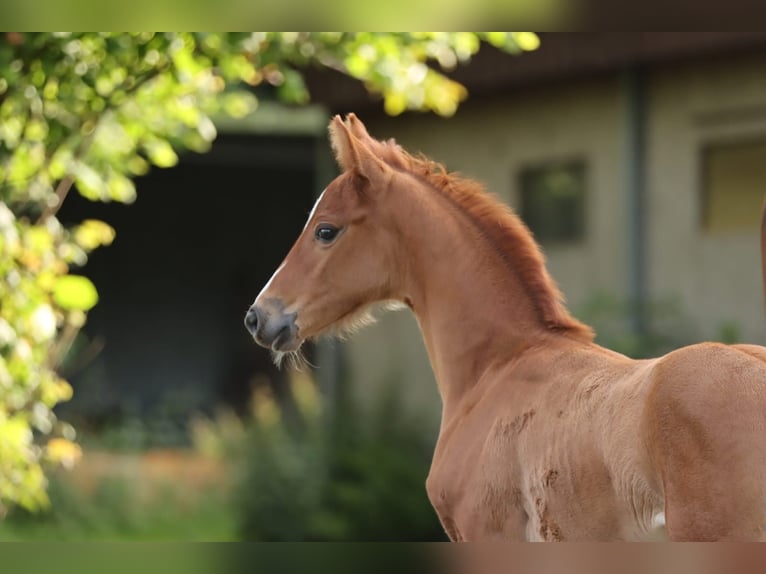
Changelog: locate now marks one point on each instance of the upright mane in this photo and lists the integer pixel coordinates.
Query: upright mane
(502, 228)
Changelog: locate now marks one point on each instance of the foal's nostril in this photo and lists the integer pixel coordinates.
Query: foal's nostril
(251, 320)
(282, 335)
(269, 326)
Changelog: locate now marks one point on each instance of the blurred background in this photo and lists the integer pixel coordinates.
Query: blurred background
(636, 159)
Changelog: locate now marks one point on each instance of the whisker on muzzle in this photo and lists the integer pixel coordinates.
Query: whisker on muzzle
(295, 360)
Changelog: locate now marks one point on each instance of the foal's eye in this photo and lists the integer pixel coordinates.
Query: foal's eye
(326, 233)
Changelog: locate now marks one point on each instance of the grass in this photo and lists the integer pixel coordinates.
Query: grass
(123, 505)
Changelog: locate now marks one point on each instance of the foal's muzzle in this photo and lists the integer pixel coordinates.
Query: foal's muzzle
(271, 327)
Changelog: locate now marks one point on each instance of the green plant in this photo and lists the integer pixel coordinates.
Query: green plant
(666, 327)
(116, 509)
(729, 332)
(357, 477)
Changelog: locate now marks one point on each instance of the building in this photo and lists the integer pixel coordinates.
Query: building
(639, 161)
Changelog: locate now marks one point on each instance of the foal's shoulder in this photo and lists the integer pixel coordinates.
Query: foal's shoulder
(706, 374)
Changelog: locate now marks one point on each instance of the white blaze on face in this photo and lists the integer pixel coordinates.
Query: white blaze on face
(268, 283)
(314, 209)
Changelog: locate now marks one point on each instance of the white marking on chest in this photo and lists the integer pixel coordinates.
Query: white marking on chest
(314, 209)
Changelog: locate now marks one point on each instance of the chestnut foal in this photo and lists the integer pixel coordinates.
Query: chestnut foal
(544, 434)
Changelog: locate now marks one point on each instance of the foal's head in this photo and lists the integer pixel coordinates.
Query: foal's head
(345, 258)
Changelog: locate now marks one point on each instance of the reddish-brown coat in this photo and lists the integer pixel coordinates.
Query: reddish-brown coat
(544, 435)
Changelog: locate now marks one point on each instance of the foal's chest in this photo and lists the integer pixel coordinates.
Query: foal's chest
(510, 487)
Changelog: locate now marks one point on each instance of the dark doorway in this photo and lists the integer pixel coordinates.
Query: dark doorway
(190, 256)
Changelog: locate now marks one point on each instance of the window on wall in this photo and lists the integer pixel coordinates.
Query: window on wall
(733, 186)
(553, 200)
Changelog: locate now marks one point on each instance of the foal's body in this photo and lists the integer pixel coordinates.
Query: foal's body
(545, 435)
(598, 446)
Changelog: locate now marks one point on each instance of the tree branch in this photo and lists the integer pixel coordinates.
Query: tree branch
(62, 189)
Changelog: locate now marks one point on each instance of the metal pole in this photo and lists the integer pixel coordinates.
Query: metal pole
(635, 183)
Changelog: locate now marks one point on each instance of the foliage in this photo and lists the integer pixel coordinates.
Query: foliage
(360, 478)
(295, 478)
(116, 510)
(392, 64)
(91, 111)
(666, 326)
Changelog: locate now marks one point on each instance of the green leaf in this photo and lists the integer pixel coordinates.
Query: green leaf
(395, 103)
(161, 153)
(293, 89)
(75, 292)
(92, 233)
(121, 189)
(237, 105)
(90, 183)
(527, 40)
(497, 39)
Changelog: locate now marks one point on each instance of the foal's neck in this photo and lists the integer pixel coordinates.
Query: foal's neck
(473, 310)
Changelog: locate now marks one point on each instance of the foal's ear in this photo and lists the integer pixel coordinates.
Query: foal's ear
(342, 143)
(354, 155)
(357, 128)
(387, 150)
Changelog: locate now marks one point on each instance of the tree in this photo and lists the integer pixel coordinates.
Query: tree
(90, 112)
